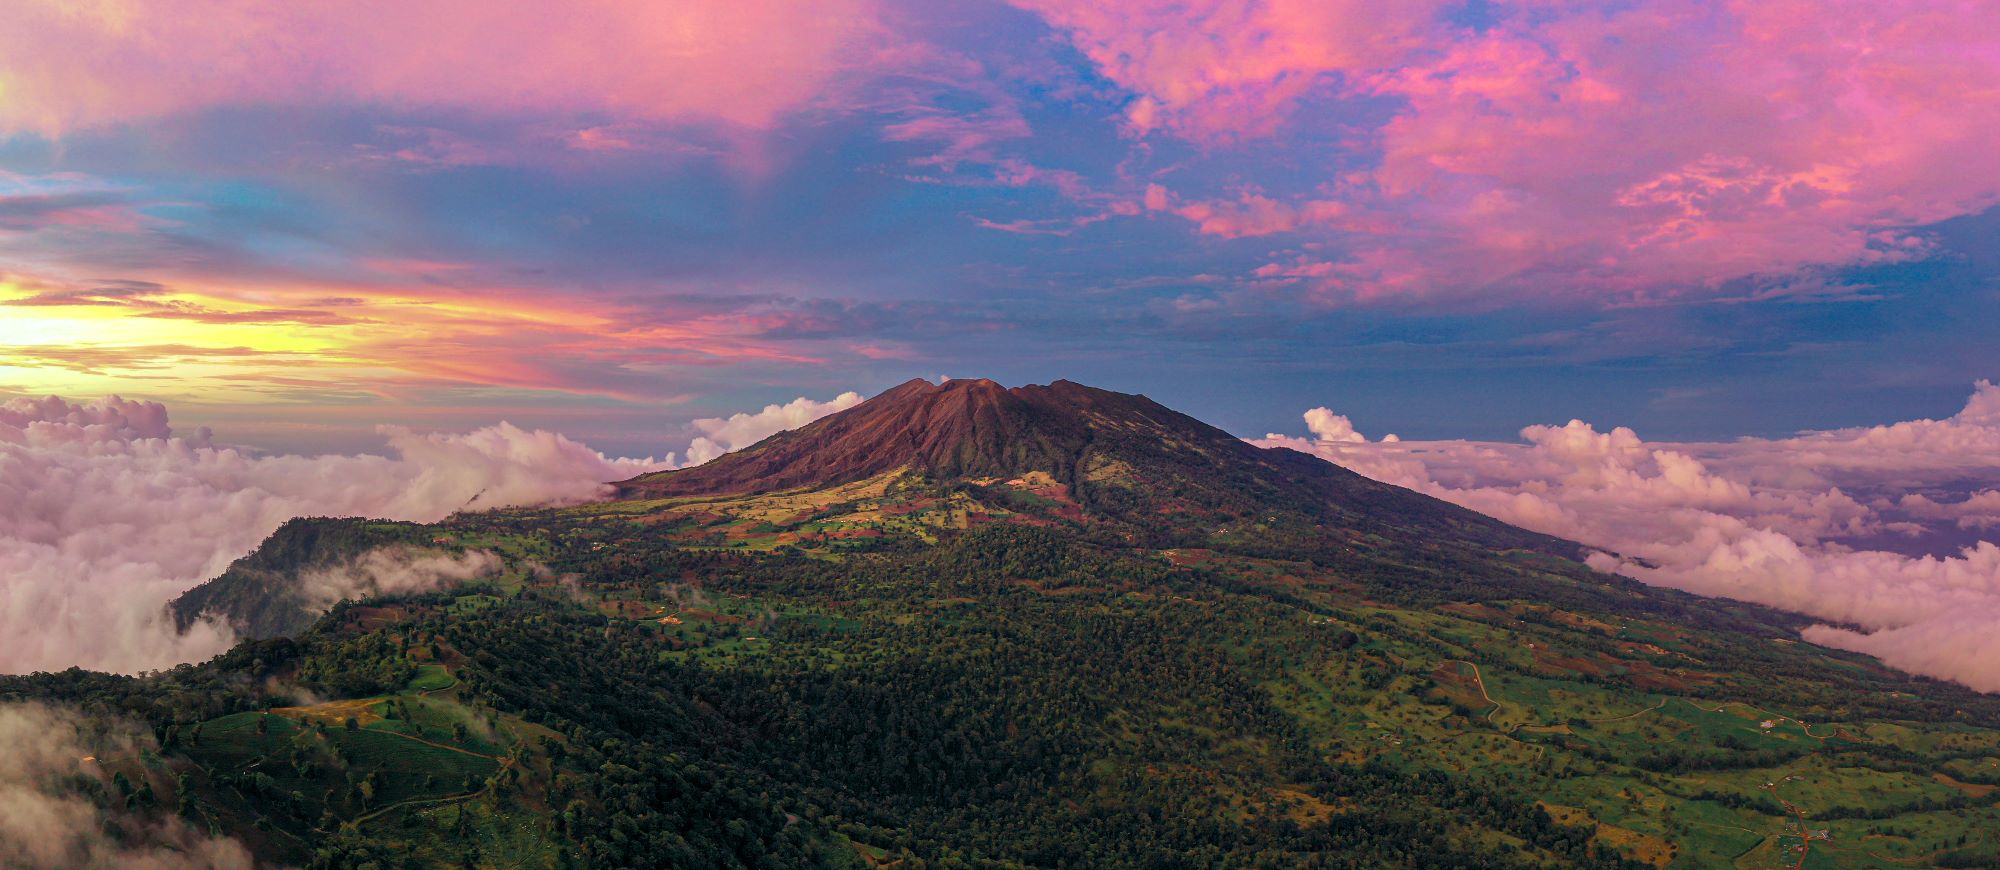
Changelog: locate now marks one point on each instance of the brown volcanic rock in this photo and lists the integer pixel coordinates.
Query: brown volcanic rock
(1126, 458)
(965, 428)
(958, 429)
(1121, 457)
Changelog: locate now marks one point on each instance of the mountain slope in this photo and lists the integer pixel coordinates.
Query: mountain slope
(261, 594)
(965, 428)
(1126, 469)
(1121, 457)
(965, 625)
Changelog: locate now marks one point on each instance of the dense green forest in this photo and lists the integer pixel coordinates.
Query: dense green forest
(912, 669)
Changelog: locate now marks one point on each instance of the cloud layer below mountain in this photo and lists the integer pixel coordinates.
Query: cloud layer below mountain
(1888, 528)
(106, 513)
(721, 435)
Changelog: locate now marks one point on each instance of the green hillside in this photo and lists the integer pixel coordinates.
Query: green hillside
(919, 668)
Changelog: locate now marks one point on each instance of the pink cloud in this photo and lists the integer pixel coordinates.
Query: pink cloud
(601, 139)
(737, 62)
(880, 350)
(1251, 213)
(421, 325)
(960, 137)
(1220, 71)
(68, 203)
(1980, 510)
(1654, 148)
(23, 214)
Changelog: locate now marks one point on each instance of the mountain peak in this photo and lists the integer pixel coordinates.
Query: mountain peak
(1124, 459)
(958, 428)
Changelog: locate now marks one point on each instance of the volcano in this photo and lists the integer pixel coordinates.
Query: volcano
(1124, 458)
(961, 428)
(1115, 467)
(1052, 625)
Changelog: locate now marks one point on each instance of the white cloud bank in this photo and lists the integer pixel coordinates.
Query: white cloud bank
(721, 435)
(1833, 524)
(106, 513)
(394, 571)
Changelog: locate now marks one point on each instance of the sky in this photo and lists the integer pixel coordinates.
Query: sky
(1700, 219)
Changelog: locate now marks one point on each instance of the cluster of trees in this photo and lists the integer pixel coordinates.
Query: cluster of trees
(1021, 728)
(1013, 696)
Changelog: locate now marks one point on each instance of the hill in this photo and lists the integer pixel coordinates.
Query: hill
(262, 594)
(962, 625)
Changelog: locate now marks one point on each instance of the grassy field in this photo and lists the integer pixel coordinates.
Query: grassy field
(431, 677)
(315, 764)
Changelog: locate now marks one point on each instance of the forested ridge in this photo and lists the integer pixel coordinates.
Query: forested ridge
(930, 668)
